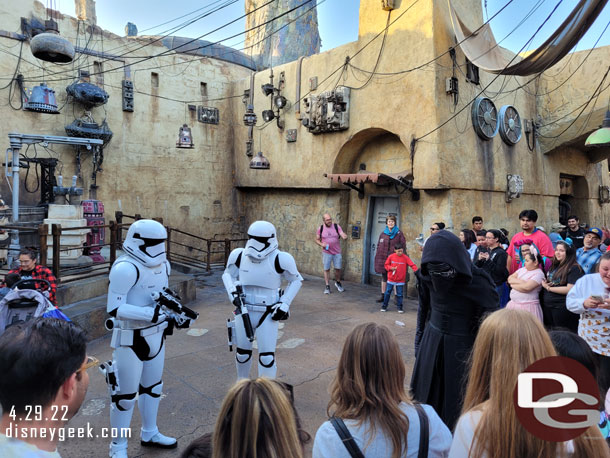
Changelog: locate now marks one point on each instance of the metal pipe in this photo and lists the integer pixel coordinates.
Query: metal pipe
(14, 247)
(17, 141)
(297, 107)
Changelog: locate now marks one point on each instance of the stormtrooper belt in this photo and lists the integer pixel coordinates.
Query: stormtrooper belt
(125, 337)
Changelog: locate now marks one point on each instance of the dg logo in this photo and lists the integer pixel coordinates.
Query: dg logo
(556, 399)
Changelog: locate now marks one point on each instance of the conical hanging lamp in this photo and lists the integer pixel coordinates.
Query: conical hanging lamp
(260, 162)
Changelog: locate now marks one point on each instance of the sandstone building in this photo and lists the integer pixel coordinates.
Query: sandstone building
(392, 154)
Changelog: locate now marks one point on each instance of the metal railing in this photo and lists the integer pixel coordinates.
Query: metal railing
(183, 248)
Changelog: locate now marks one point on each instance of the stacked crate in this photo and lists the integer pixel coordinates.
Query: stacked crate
(71, 241)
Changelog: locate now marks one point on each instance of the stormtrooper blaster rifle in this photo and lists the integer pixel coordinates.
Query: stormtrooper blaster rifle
(168, 302)
(242, 309)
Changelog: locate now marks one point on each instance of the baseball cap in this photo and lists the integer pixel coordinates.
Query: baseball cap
(596, 231)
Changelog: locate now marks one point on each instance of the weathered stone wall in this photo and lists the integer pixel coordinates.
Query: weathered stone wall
(563, 92)
(190, 188)
(285, 39)
(460, 175)
(297, 214)
(468, 162)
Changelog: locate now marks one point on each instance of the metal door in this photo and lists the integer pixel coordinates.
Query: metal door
(382, 208)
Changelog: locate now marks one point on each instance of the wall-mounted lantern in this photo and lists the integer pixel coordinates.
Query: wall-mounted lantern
(185, 138)
(514, 187)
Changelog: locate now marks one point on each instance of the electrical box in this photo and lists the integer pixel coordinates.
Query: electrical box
(127, 95)
(451, 85)
(291, 135)
(313, 83)
(208, 115)
(327, 111)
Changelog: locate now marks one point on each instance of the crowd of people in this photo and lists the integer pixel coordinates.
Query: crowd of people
(485, 315)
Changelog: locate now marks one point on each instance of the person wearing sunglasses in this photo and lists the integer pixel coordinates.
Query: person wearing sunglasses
(44, 380)
(435, 228)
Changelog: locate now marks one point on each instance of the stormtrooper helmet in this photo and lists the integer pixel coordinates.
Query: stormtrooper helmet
(262, 240)
(145, 241)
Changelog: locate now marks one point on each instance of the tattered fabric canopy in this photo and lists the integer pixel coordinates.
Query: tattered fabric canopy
(356, 181)
(481, 48)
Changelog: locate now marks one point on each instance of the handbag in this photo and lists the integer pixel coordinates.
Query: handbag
(354, 451)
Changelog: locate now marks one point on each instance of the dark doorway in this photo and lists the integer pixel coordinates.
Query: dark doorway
(573, 198)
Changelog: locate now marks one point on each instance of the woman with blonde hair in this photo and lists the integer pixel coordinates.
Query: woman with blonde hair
(368, 399)
(507, 343)
(257, 420)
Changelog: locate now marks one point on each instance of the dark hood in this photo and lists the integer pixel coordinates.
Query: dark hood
(447, 247)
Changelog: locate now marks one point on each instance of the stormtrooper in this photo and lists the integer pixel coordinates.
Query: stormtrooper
(140, 321)
(253, 278)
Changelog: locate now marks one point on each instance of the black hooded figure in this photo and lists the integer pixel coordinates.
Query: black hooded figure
(454, 296)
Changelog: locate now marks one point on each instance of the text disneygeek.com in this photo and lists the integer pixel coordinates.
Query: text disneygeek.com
(69, 432)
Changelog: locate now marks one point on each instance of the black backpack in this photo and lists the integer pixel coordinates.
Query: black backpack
(336, 229)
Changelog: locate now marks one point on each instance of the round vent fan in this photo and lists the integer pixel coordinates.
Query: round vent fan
(484, 118)
(510, 125)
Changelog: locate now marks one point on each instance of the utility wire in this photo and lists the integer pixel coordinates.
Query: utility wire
(595, 94)
(173, 51)
(494, 79)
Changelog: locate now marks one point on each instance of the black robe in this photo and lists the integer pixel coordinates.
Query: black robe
(447, 323)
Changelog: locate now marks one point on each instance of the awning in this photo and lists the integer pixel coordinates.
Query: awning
(481, 48)
(356, 181)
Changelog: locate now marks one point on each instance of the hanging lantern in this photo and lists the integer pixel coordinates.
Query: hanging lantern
(185, 139)
(50, 46)
(260, 162)
(41, 99)
(601, 137)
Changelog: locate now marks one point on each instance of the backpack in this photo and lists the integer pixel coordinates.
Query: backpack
(336, 229)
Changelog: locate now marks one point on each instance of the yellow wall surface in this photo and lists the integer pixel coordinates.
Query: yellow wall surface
(461, 175)
(401, 120)
(143, 169)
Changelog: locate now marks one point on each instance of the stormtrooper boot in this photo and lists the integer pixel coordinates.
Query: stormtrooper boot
(156, 439)
(118, 450)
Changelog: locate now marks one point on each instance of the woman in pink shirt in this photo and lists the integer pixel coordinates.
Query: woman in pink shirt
(526, 283)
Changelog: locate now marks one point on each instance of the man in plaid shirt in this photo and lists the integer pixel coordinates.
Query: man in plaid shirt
(29, 269)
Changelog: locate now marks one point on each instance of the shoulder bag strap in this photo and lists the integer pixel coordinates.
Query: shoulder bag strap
(346, 437)
(423, 431)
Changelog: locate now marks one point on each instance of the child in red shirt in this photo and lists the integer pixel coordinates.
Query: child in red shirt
(396, 264)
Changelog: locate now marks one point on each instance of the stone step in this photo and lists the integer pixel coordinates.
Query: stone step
(90, 313)
(81, 290)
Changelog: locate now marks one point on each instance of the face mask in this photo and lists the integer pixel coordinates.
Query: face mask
(442, 275)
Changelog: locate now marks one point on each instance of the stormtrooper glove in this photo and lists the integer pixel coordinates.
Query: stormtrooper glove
(280, 312)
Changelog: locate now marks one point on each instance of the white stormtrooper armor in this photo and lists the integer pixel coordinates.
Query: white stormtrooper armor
(259, 269)
(138, 334)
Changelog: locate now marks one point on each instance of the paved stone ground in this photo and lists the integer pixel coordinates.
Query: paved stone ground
(199, 368)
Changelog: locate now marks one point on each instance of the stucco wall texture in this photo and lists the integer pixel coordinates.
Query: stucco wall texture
(461, 174)
(211, 189)
(143, 169)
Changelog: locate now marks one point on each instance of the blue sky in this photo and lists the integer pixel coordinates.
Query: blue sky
(338, 19)
(113, 15)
